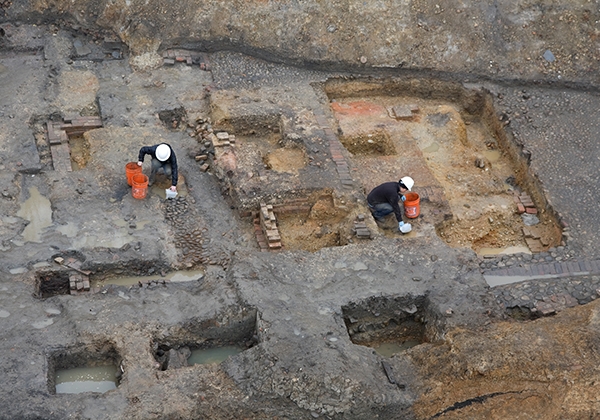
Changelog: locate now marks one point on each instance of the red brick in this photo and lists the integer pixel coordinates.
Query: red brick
(520, 208)
(531, 210)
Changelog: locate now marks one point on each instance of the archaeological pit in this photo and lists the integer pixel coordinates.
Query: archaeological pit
(98, 366)
(206, 341)
(399, 322)
(473, 181)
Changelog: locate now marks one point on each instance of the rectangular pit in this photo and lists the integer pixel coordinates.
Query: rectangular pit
(449, 138)
(383, 321)
(84, 368)
(207, 341)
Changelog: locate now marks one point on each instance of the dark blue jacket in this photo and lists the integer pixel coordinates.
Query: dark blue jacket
(388, 192)
(151, 150)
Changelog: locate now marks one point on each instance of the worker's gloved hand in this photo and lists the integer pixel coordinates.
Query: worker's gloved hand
(404, 227)
(139, 163)
(403, 198)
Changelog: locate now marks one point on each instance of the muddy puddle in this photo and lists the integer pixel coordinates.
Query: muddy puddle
(174, 277)
(213, 355)
(86, 379)
(450, 143)
(37, 210)
(391, 348)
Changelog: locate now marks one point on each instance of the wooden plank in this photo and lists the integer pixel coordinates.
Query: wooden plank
(61, 157)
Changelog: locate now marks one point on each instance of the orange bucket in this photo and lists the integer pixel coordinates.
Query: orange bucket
(131, 169)
(411, 205)
(139, 186)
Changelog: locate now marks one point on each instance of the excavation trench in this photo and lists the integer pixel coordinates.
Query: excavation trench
(84, 368)
(473, 181)
(390, 324)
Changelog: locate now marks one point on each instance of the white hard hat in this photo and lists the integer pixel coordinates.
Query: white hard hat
(408, 182)
(163, 152)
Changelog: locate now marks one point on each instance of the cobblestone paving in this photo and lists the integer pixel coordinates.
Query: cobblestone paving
(549, 281)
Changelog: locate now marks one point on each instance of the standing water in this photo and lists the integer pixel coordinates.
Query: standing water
(86, 379)
(389, 349)
(213, 355)
(37, 210)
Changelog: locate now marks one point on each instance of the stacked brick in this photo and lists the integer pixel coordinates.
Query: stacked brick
(360, 228)
(525, 203)
(78, 283)
(172, 56)
(58, 138)
(271, 239)
(221, 139)
(293, 206)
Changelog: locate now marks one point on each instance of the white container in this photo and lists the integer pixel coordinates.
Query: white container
(170, 194)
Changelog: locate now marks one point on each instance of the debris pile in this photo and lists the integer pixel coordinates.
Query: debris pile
(172, 56)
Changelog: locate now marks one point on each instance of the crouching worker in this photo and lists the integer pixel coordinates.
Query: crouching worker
(163, 157)
(385, 198)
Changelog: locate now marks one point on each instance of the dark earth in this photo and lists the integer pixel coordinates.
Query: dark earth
(296, 109)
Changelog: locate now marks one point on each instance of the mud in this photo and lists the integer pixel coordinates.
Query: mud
(487, 108)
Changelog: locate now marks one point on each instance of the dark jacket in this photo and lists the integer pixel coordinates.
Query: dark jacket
(388, 192)
(151, 150)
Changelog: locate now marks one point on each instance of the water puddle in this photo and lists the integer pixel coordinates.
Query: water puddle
(492, 155)
(116, 240)
(389, 349)
(37, 210)
(69, 230)
(174, 277)
(214, 355)
(504, 251)
(160, 187)
(432, 148)
(86, 379)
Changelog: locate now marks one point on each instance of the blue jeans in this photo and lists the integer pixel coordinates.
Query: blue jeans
(156, 166)
(381, 210)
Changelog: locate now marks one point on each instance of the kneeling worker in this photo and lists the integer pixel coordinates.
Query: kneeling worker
(162, 157)
(384, 199)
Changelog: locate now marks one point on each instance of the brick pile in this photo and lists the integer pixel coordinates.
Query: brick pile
(360, 228)
(172, 56)
(271, 240)
(524, 203)
(58, 134)
(78, 283)
(221, 139)
(534, 240)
